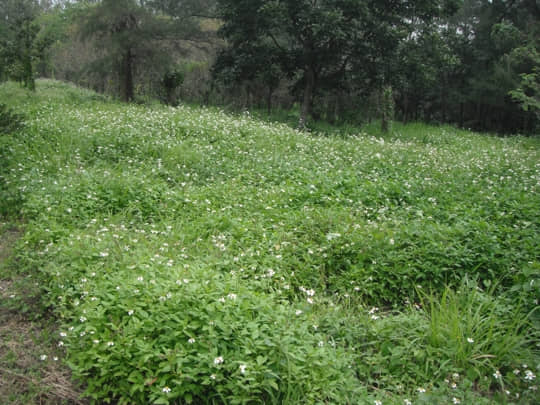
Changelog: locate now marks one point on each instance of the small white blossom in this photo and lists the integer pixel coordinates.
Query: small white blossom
(218, 360)
(529, 375)
(456, 400)
(470, 340)
(166, 390)
(243, 368)
(497, 374)
(43, 357)
(191, 340)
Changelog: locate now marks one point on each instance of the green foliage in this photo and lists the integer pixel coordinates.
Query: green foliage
(197, 257)
(18, 45)
(10, 121)
(134, 35)
(171, 81)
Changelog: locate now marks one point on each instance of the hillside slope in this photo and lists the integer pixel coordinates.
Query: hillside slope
(195, 256)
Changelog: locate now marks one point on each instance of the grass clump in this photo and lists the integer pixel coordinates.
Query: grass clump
(193, 256)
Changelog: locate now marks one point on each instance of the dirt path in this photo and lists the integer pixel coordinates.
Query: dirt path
(31, 369)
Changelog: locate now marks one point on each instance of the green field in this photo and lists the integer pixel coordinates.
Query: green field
(193, 256)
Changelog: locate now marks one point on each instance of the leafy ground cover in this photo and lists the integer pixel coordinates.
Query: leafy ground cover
(193, 256)
(30, 368)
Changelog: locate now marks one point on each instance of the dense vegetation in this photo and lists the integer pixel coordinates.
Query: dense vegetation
(198, 257)
(470, 63)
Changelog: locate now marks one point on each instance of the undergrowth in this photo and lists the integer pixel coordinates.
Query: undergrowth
(198, 257)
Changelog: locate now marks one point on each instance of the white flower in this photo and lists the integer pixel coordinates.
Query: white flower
(421, 390)
(231, 296)
(529, 375)
(63, 334)
(497, 374)
(166, 390)
(213, 377)
(456, 400)
(130, 312)
(243, 368)
(140, 278)
(298, 312)
(43, 357)
(470, 340)
(407, 401)
(310, 300)
(191, 340)
(104, 254)
(377, 402)
(321, 343)
(110, 344)
(82, 319)
(218, 360)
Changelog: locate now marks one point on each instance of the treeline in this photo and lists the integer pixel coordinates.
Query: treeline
(471, 63)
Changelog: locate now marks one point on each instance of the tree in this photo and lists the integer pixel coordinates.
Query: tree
(318, 42)
(18, 42)
(305, 40)
(130, 32)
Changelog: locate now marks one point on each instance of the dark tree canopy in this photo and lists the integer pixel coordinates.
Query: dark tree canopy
(316, 42)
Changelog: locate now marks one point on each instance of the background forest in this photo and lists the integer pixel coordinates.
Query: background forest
(471, 63)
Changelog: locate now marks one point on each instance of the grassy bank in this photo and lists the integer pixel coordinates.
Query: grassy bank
(196, 257)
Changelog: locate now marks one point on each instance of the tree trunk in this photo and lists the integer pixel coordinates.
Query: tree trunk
(269, 99)
(308, 97)
(127, 92)
(28, 72)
